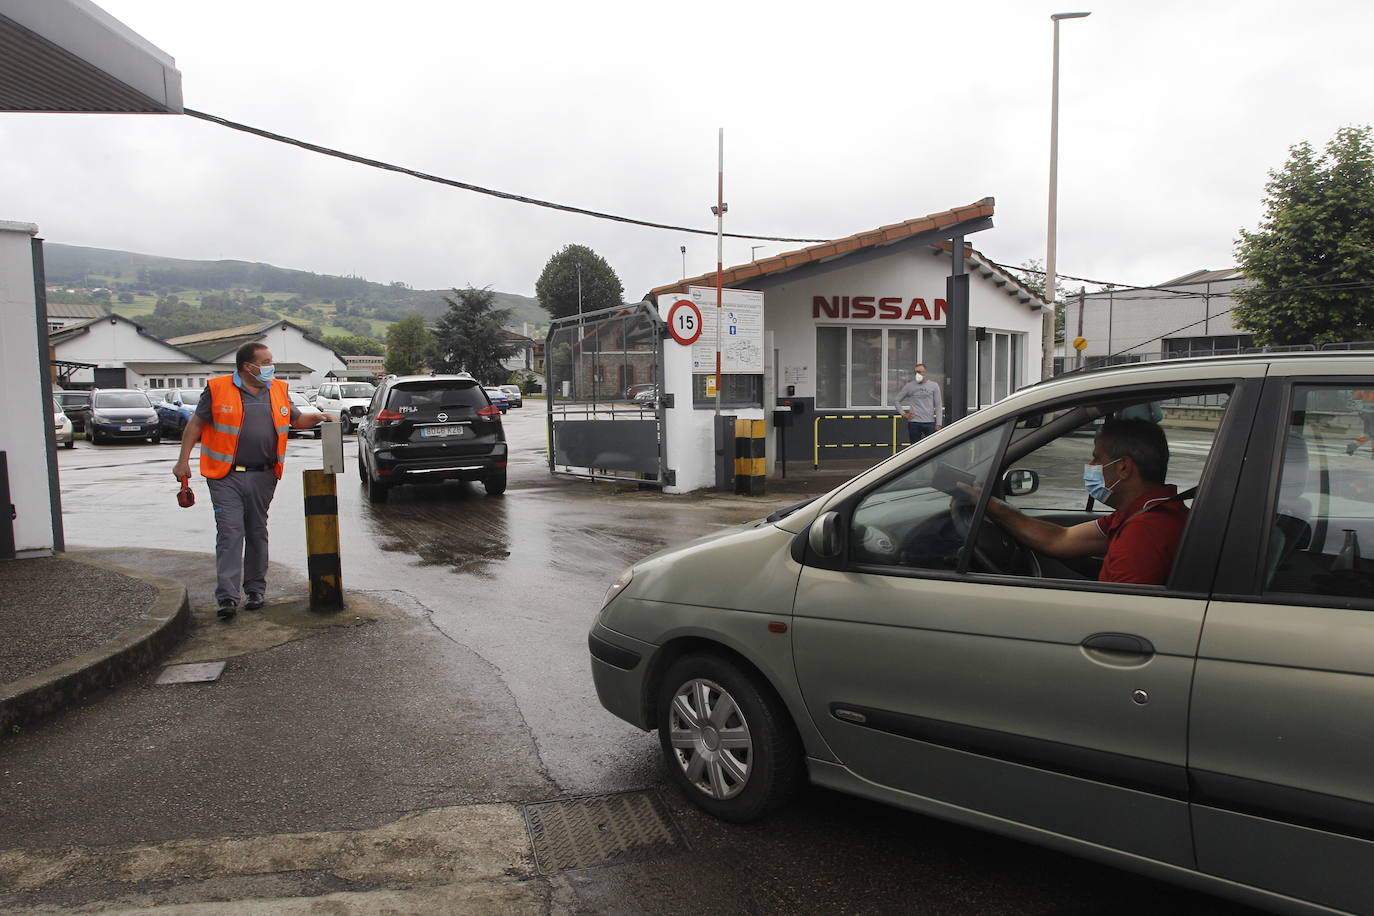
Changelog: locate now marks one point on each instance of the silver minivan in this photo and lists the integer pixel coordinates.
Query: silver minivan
(903, 638)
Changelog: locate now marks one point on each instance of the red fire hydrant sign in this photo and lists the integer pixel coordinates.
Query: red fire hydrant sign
(684, 322)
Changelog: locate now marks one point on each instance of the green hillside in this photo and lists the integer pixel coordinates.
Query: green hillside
(211, 295)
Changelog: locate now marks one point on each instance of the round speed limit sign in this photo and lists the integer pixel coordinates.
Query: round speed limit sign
(684, 322)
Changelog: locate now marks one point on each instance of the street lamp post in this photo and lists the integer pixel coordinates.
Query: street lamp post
(1047, 366)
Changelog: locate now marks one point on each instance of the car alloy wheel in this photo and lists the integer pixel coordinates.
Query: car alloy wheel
(710, 739)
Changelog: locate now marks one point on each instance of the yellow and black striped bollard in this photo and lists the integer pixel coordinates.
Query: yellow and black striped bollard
(750, 465)
(322, 541)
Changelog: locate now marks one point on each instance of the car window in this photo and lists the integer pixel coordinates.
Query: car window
(357, 390)
(1190, 423)
(117, 399)
(1324, 508)
(920, 519)
(417, 396)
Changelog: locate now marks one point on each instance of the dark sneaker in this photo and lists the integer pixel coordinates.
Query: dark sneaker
(255, 601)
(227, 610)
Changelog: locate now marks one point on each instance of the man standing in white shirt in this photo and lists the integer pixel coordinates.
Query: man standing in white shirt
(920, 402)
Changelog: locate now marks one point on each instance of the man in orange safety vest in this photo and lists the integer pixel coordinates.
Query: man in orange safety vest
(241, 423)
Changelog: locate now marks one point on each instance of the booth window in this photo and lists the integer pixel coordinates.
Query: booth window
(735, 391)
(865, 367)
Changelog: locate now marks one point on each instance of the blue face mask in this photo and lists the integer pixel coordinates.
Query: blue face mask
(1095, 483)
(266, 373)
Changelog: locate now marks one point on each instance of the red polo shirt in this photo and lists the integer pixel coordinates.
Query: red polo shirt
(1143, 537)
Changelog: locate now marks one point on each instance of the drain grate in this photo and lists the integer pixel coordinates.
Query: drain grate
(200, 673)
(599, 830)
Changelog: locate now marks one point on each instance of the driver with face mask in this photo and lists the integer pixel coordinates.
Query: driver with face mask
(1139, 540)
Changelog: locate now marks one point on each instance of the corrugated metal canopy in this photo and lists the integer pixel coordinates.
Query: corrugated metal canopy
(70, 55)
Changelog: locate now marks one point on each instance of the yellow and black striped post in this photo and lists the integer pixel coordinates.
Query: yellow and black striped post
(322, 541)
(750, 466)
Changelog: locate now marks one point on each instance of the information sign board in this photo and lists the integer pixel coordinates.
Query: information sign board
(741, 331)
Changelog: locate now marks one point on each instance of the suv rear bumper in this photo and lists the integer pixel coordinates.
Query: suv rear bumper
(448, 467)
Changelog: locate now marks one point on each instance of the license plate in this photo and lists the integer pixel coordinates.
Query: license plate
(129, 429)
(442, 432)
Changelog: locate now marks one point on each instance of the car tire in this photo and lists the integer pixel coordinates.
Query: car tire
(70, 443)
(376, 492)
(740, 783)
(362, 469)
(156, 438)
(495, 484)
(95, 437)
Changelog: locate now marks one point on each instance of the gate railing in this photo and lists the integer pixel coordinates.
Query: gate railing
(605, 385)
(839, 446)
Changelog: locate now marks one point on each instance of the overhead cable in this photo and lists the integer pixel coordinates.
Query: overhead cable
(466, 186)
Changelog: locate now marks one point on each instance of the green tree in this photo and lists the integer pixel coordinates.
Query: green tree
(408, 344)
(353, 345)
(557, 286)
(126, 298)
(1034, 280)
(1310, 261)
(470, 338)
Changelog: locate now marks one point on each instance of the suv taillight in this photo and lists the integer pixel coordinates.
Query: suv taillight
(491, 410)
(389, 417)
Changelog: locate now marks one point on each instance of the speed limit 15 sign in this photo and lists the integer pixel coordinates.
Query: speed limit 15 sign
(684, 322)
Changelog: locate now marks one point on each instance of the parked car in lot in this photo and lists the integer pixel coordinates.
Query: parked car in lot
(514, 395)
(175, 410)
(346, 400)
(647, 394)
(633, 391)
(497, 397)
(890, 640)
(424, 429)
(121, 413)
(62, 426)
(298, 400)
(76, 405)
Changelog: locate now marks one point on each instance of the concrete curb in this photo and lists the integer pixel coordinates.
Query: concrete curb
(137, 647)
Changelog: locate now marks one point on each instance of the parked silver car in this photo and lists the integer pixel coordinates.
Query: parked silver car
(890, 640)
(62, 426)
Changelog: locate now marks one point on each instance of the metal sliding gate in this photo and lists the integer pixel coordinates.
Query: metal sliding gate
(605, 390)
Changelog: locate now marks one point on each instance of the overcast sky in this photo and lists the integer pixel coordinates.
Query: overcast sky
(838, 118)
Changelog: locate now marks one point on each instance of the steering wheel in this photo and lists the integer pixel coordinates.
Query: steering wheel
(994, 549)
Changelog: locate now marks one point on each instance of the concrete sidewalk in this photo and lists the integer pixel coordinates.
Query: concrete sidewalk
(71, 626)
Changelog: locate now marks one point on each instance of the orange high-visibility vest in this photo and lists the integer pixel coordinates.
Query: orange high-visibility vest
(219, 439)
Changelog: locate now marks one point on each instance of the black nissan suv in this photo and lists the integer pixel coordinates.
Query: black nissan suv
(428, 428)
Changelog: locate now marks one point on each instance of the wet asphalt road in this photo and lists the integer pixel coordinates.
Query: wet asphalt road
(513, 583)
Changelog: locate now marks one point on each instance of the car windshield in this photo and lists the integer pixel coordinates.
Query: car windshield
(298, 399)
(357, 390)
(117, 399)
(56, 407)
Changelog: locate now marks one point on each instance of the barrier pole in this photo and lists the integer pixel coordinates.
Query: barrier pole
(322, 541)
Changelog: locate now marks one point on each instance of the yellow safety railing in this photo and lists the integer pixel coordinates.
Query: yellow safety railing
(818, 445)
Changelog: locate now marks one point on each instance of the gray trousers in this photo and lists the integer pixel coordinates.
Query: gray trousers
(241, 501)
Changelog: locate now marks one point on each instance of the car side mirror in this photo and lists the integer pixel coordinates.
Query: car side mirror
(824, 536)
(1020, 482)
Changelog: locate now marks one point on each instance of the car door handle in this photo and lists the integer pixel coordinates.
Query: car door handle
(1119, 642)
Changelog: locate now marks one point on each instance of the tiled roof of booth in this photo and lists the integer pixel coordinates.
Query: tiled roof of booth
(827, 251)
